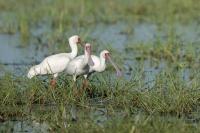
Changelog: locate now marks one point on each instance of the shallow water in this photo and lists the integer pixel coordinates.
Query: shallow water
(96, 112)
(11, 50)
(23, 126)
(120, 34)
(18, 58)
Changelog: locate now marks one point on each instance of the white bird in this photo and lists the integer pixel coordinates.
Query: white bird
(80, 66)
(100, 64)
(57, 63)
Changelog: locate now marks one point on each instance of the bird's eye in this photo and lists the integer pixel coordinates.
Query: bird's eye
(79, 39)
(106, 55)
(88, 47)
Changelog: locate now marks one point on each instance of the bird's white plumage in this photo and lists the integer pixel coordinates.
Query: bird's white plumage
(79, 65)
(99, 63)
(55, 64)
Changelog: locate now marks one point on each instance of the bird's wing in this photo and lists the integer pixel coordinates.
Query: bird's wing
(56, 63)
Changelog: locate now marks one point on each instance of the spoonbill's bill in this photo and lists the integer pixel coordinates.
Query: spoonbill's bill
(57, 63)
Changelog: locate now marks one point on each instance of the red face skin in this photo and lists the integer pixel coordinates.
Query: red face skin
(88, 49)
(107, 55)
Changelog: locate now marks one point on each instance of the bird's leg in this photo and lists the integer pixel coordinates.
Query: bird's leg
(75, 90)
(74, 82)
(88, 87)
(85, 84)
(53, 81)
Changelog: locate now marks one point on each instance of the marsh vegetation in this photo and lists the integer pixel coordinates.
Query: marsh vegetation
(156, 43)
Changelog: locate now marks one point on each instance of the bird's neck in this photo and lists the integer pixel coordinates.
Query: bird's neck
(74, 50)
(102, 63)
(86, 57)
